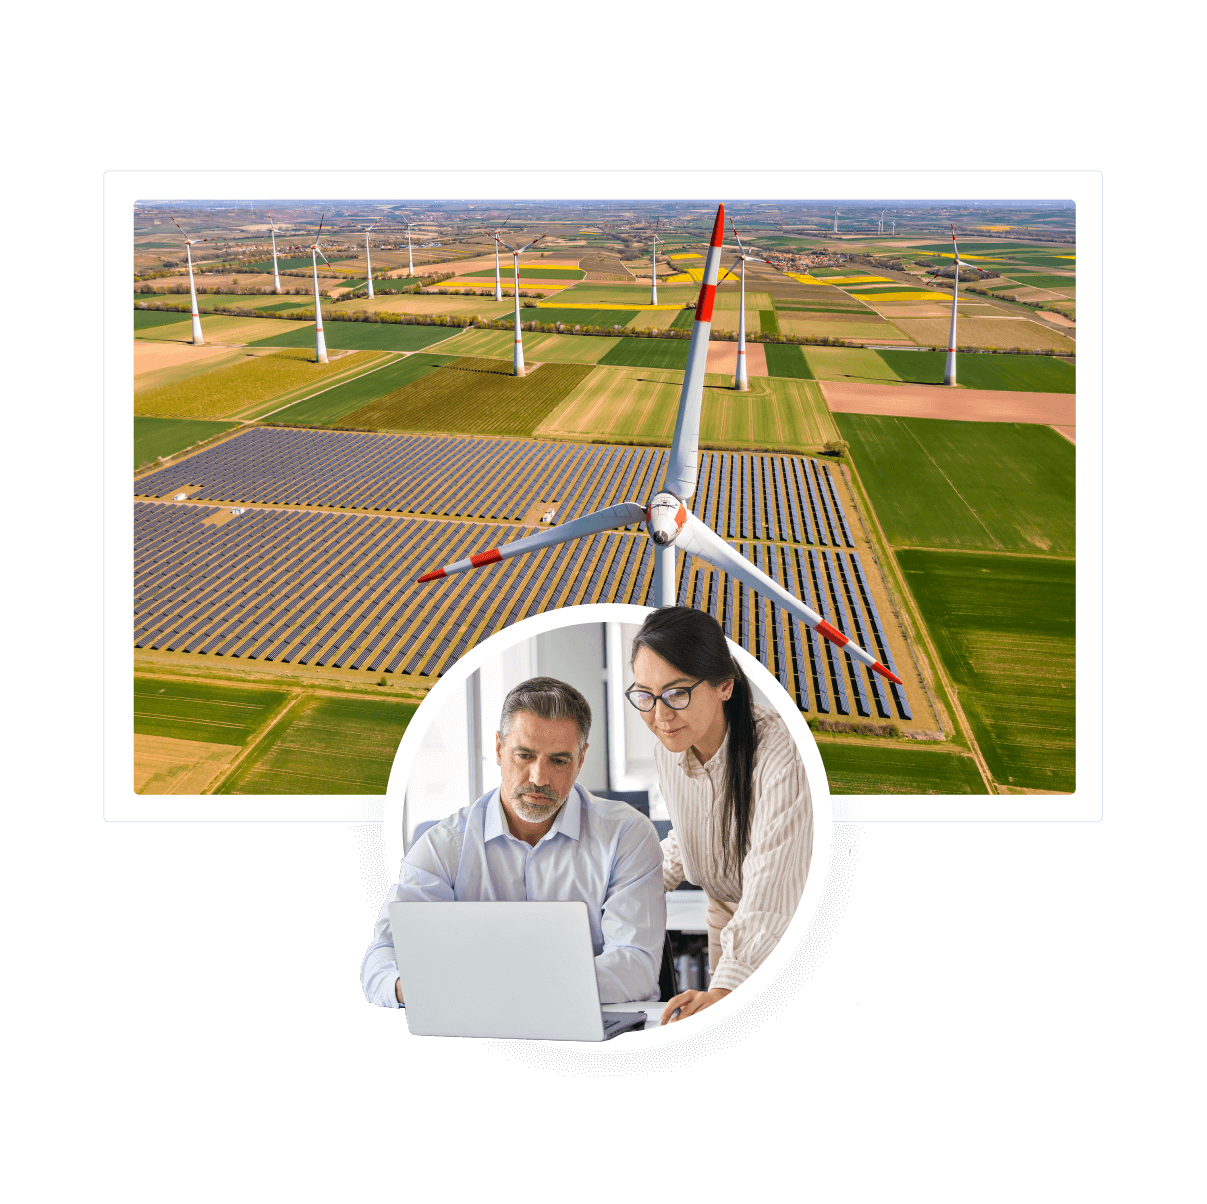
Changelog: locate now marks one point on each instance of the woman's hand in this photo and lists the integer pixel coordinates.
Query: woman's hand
(687, 1003)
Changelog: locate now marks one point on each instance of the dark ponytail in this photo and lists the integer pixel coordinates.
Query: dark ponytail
(693, 642)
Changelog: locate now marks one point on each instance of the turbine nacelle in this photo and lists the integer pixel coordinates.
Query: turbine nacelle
(664, 518)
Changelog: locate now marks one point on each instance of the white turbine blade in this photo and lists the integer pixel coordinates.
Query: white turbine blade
(681, 467)
(611, 519)
(702, 541)
(532, 243)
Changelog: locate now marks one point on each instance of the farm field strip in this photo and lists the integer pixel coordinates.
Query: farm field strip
(361, 336)
(988, 332)
(1004, 627)
(860, 767)
(966, 485)
(156, 437)
(325, 745)
(472, 396)
(217, 328)
(228, 391)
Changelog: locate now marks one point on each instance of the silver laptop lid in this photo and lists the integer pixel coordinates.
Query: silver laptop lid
(498, 970)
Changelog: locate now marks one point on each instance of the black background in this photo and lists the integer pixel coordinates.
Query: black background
(262, 928)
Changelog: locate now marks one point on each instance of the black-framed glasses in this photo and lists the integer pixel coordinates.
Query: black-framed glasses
(678, 698)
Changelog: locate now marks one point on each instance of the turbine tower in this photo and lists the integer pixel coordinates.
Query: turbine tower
(739, 378)
(654, 265)
(276, 276)
(410, 260)
(894, 227)
(368, 265)
(949, 368)
(320, 343)
(835, 221)
(498, 277)
(666, 517)
(198, 341)
(519, 342)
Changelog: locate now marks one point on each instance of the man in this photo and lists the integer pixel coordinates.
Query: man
(540, 836)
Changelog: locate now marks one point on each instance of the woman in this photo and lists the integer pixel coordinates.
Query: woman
(736, 791)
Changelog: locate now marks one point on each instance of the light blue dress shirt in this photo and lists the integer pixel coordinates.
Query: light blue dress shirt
(598, 850)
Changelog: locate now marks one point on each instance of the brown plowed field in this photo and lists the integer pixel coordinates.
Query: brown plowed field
(723, 357)
(150, 356)
(938, 401)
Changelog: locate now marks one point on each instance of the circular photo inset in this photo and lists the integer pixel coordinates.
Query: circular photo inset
(608, 822)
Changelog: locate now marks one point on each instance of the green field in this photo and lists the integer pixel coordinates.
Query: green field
(385, 286)
(1004, 627)
(145, 319)
(154, 437)
(538, 348)
(684, 320)
(934, 483)
(291, 265)
(187, 710)
(787, 359)
(241, 386)
(1064, 283)
(768, 322)
(1018, 373)
(853, 768)
(649, 353)
(325, 746)
(842, 363)
(473, 397)
(628, 294)
(579, 317)
(623, 404)
(332, 404)
(359, 336)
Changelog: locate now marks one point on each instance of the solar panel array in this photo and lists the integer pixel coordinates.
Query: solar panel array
(329, 588)
(744, 495)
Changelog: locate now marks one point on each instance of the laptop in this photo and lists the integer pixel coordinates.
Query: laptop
(502, 970)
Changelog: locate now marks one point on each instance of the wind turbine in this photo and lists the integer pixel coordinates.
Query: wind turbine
(320, 343)
(654, 263)
(739, 378)
(410, 261)
(276, 276)
(894, 227)
(368, 265)
(949, 368)
(880, 229)
(666, 517)
(515, 255)
(498, 277)
(835, 221)
(198, 341)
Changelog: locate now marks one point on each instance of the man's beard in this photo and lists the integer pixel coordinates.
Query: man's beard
(536, 806)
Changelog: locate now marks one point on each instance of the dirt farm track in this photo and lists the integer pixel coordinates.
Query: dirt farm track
(938, 401)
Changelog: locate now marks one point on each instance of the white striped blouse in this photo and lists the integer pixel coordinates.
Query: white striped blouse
(781, 842)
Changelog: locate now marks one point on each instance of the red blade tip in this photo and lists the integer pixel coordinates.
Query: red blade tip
(434, 575)
(718, 227)
(879, 668)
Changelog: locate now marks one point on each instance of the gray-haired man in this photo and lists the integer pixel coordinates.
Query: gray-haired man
(542, 837)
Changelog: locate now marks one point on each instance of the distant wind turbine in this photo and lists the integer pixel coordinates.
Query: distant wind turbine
(276, 276)
(320, 343)
(654, 265)
(519, 342)
(410, 260)
(739, 377)
(498, 276)
(666, 518)
(835, 221)
(198, 341)
(368, 265)
(894, 227)
(949, 368)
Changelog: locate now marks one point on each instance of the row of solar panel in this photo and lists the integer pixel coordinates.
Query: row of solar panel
(340, 589)
(743, 495)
